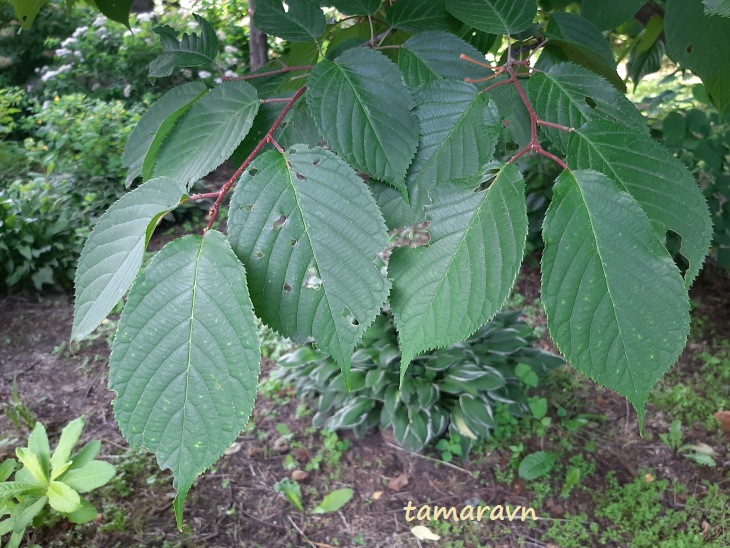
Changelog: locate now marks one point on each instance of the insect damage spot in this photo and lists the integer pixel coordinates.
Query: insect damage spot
(591, 103)
(690, 48)
(347, 313)
(300, 176)
(313, 281)
(280, 222)
(260, 255)
(287, 288)
(253, 172)
(316, 162)
(293, 242)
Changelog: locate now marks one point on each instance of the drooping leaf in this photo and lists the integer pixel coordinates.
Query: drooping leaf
(430, 56)
(26, 10)
(149, 125)
(301, 21)
(717, 7)
(616, 304)
(334, 501)
(309, 233)
(608, 15)
(372, 127)
(570, 95)
(421, 15)
(445, 291)
(113, 253)
(458, 136)
(208, 133)
(696, 41)
(116, 10)
(661, 184)
(191, 50)
(536, 465)
(357, 7)
(185, 360)
(584, 44)
(643, 63)
(494, 16)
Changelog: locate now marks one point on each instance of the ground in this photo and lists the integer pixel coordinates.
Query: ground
(631, 490)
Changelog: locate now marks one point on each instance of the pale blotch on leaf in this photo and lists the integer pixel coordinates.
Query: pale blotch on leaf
(313, 281)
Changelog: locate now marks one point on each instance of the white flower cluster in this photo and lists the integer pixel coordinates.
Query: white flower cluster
(48, 74)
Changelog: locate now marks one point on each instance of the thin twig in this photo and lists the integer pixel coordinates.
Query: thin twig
(464, 470)
(271, 72)
(300, 532)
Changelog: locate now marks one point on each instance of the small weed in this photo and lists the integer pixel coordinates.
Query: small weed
(17, 412)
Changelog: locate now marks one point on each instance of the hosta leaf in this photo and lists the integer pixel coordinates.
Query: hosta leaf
(113, 253)
(445, 291)
(430, 56)
(570, 95)
(494, 16)
(696, 41)
(185, 360)
(607, 15)
(372, 127)
(582, 43)
(87, 478)
(661, 184)
(421, 15)
(458, 136)
(62, 498)
(616, 304)
(309, 233)
(149, 125)
(303, 20)
(191, 50)
(357, 7)
(208, 133)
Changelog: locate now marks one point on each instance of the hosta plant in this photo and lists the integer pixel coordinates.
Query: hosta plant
(454, 389)
(379, 116)
(47, 482)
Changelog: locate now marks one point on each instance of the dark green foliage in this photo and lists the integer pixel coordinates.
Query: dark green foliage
(453, 389)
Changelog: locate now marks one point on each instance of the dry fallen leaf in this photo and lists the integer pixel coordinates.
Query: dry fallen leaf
(233, 449)
(724, 418)
(396, 484)
(706, 530)
(704, 449)
(377, 495)
(423, 533)
(299, 475)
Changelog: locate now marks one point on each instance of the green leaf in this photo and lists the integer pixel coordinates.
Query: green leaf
(113, 253)
(584, 44)
(334, 501)
(458, 136)
(616, 304)
(11, 489)
(38, 474)
(26, 10)
(62, 498)
(7, 468)
(421, 15)
(291, 490)
(536, 465)
(372, 127)
(302, 21)
(24, 515)
(116, 10)
(357, 7)
(717, 7)
(661, 184)
(69, 436)
(90, 476)
(149, 126)
(309, 233)
(191, 51)
(85, 514)
(696, 41)
(38, 444)
(444, 292)
(608, 15)
(208, 133)
(494, 16)
(643, 63)
(570, 95)
(430, 56)
(185, 360)
(86, 455)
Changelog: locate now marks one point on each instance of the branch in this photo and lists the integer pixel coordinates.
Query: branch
(268, 138)
(272, 72)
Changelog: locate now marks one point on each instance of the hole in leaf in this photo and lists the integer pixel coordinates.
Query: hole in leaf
(316, 162)
(249, 207)
(347, 313)
(301, 177)
(287, 288)
(511, 145)
(260, 255)
(673, 243)
(690, 48)
(505, 123)
(280, 222)
(293, 243)
(25, 18)
(292, 151)
(591, 103)
(313, 281)
(252, 172)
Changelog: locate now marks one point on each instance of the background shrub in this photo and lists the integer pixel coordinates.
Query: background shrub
(455, 389)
